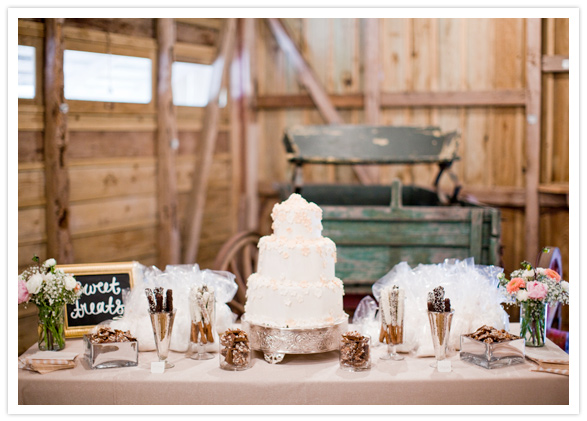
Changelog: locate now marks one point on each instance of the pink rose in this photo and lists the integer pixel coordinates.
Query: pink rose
(514, 285)
(536, 290)
(552, 274)
(23, 292)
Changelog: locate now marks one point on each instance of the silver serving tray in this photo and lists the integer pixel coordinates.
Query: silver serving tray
(276, 342)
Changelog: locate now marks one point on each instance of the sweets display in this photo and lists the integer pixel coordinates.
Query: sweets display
(437, 302)
(106, 334)
(391, 306)
(235, 352)
(355, 352)
(490, 348)
(201, 301)
(440, 318)
(162, 315)
(489, 334)
(110, 348)
(295, 285)
(159, 302)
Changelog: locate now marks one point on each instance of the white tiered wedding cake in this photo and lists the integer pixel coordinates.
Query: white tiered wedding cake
(295, 285)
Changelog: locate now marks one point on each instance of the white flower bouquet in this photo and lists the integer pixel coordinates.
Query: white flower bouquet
(50, 289)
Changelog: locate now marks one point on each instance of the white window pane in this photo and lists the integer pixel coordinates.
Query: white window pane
(106, 77)
(26, 71)
(190, 83)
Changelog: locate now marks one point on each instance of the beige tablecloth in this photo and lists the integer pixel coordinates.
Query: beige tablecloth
(298, 379)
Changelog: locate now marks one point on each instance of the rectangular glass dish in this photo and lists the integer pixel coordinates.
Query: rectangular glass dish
(492, 355)
(111, 354)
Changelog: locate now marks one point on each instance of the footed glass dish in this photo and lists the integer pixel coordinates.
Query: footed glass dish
(492, 355)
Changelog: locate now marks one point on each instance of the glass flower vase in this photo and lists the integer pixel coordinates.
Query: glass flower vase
(533, 322)
(51, 328)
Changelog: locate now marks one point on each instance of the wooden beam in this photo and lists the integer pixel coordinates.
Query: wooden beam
(514, 197)
(168, 236)
(304, 72)
(533, 133)
(372, 77)
(201, 174)
(305, 101)
(555, 64)
(128, 26)
(57, 213)
(244, 120)
(309, 80)
(548, 97)
(372, 72)
(499, 98)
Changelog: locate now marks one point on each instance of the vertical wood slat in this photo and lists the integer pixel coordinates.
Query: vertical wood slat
(476, 234)
(244, 129)
(372, 78)
(201, 174)
(546, 167)
(168, 236)
(250, 127)
(310, 82)
(533, 121)
(495, 240)
(57, 213)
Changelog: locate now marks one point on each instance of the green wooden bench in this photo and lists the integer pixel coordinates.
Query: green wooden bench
(375, 227)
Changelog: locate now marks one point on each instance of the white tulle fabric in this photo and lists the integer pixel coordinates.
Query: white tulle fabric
(179, 278)
(472, 289)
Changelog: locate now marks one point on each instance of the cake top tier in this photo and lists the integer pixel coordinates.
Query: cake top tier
(295, 218)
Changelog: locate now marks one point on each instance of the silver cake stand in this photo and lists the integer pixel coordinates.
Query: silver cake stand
(275, 342)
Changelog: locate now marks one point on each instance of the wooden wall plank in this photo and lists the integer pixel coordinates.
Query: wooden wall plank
(444, 98)
(117, 246)
(204, 22)
(128, 26)
(30, 146)
(196, 34)
(116, 122)
(555, 63)
(111, 144)
(190, 142)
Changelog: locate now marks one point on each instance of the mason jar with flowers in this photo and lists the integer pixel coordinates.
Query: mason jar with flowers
(533, 289)
(50, 289)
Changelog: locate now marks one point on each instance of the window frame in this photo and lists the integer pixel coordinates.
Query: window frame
(93, 41)
(31, 34)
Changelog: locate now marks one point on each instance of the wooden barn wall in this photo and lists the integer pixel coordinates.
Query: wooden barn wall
(431, 55)
(111, 154)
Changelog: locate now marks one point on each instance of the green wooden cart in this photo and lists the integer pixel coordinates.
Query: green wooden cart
(375, 227)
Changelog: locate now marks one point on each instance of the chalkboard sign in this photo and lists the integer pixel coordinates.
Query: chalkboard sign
(103, 286)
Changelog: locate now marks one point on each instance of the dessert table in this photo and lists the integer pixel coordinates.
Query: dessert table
(299, 379)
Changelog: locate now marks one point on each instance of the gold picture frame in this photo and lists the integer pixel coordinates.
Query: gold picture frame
(99, 280)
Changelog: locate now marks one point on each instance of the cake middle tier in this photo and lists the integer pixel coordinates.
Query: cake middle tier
(296, 259)
(282, 303)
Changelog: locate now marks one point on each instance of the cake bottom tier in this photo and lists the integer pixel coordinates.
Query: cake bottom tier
(282, 303)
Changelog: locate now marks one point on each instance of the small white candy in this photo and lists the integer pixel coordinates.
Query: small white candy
(444, 366)
(158, 367)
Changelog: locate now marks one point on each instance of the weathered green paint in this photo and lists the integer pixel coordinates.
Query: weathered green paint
(372, 239)
(357, 144)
